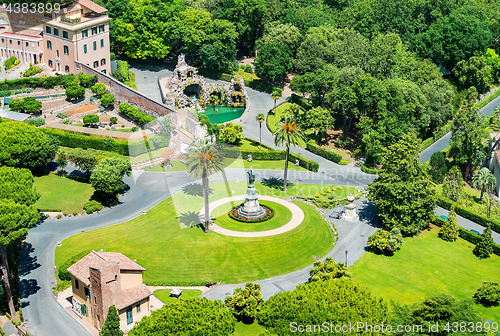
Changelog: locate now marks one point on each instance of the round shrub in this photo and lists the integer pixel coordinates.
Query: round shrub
(92, 206)
(488, 295)
(107, 99)
(343, 163)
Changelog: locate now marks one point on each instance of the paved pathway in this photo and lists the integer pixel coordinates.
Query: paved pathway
(444, 142)
(297, 218)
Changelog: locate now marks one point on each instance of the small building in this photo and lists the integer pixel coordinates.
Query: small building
(102, 279)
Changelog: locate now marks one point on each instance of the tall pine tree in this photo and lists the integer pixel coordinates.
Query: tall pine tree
(450, 229)
(112, 325)
(484, 248)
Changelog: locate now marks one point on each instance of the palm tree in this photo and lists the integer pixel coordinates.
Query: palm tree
(204, 158)
(276, 95)
(484, 181)
(287, 132)
(260, 118)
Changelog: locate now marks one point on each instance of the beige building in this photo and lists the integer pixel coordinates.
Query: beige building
(25, 44)
(102, 279)
(79, 32)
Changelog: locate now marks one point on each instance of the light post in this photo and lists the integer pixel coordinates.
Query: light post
(345, 258)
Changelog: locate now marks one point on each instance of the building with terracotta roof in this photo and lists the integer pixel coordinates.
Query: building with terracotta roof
(102, 279)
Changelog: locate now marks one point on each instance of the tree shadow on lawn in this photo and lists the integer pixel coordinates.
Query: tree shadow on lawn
(195, 189)
(190, 219)
(274, 182)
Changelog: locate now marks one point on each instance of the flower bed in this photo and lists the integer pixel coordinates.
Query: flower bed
(234, 215)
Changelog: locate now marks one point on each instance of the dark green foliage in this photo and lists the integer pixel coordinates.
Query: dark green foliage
(92, 206)
(27, 105)
(62, 272)
(135, 114)
(488, 295)
(438, 167)
(113, 120)
(33, 82)
(230, 133)
(386, 241)
(112, 325)
(121, 72)
(273, 61)
(244, 304)
(36, 121)
(16, 104)
(62, 159)
(474, 72)
(17, 184)
(108, 175)
(194, 316)
(91, 119)
(73, 92)
(450, 229)
(484, 247)
(25, 145)
(339, 301)
(327, 270)
(11, 62)
(440, 309)
(403, 175)
(453, 186)
(87, 80)
(107, 100)
(85, 160)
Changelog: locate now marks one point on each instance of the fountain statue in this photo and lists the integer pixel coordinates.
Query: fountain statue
(251, 209)
(350, 210)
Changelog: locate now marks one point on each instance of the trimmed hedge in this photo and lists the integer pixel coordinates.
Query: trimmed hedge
(135, 114)
(367, 170)
(467, 235)
(438, 135)
(179, 283)
(446, 203)
(48, 210)
(33, 82)
(318, 150)
(256, 143)
(303, 162)
(300, 101)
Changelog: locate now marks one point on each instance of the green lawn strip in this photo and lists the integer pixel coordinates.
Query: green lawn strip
(281, 216)
(242, 329)
(246, 145)
(59, 192)
(427, 265)
(275, 116)
(164, 295)
(176, 166)
(171, 251)
(151, 155)
(69, 150)
(261, 164)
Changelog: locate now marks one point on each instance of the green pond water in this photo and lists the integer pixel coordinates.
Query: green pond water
(223, 113)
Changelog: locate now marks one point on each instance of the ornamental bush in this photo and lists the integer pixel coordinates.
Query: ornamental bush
(73, 92)
(11, 62)
(327, 270)
(134, 113)
(107, 99)
(32, 70)
(194, 316)
(450, 229)
(488, 295)
(91, 119)
(318, 150)
(386, 241)
(92, 206)
(98, 89)
(16, 104)
(87, 80)
(244, 304)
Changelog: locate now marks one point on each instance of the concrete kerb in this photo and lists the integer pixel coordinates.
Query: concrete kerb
(297, 218)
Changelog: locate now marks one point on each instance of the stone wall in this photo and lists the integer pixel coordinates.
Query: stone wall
(123, 93)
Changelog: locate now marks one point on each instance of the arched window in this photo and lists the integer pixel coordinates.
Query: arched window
(103, 61)
(66, 68)
(96, 64)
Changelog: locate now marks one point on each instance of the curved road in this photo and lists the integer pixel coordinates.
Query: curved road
(47, 318)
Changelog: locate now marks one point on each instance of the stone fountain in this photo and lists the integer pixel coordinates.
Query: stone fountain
(350, 210)
(251, 209)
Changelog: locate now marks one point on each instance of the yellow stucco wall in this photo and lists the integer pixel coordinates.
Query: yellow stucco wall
(130, 279)
(79, 295)
(136, 316)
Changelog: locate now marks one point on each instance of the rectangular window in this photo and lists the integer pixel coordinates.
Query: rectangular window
(84, 310)
(102, 43)
(48, 30)
(87, 292)
(138, 307)
(129, 315)
(56, 31)
(18, 42)
(65, 34)
(27, 44)
(85, 33)
(10, 41)
(101, 28)
(66, 50)
(95, 301)
(94, 30)
(49, 45)
(95, 45)
(77, 285)
(84, 48)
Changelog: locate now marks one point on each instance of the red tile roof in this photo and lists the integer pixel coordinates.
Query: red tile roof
(99, 260)
(92, 6)
(132, 295)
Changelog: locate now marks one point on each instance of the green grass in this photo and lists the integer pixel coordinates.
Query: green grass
(261, 164)
(171, 249)
(70, 150)
(427, 265)
(242, 329)
(164, 295)
(59, 192)
(281, 216)
(176, 166)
